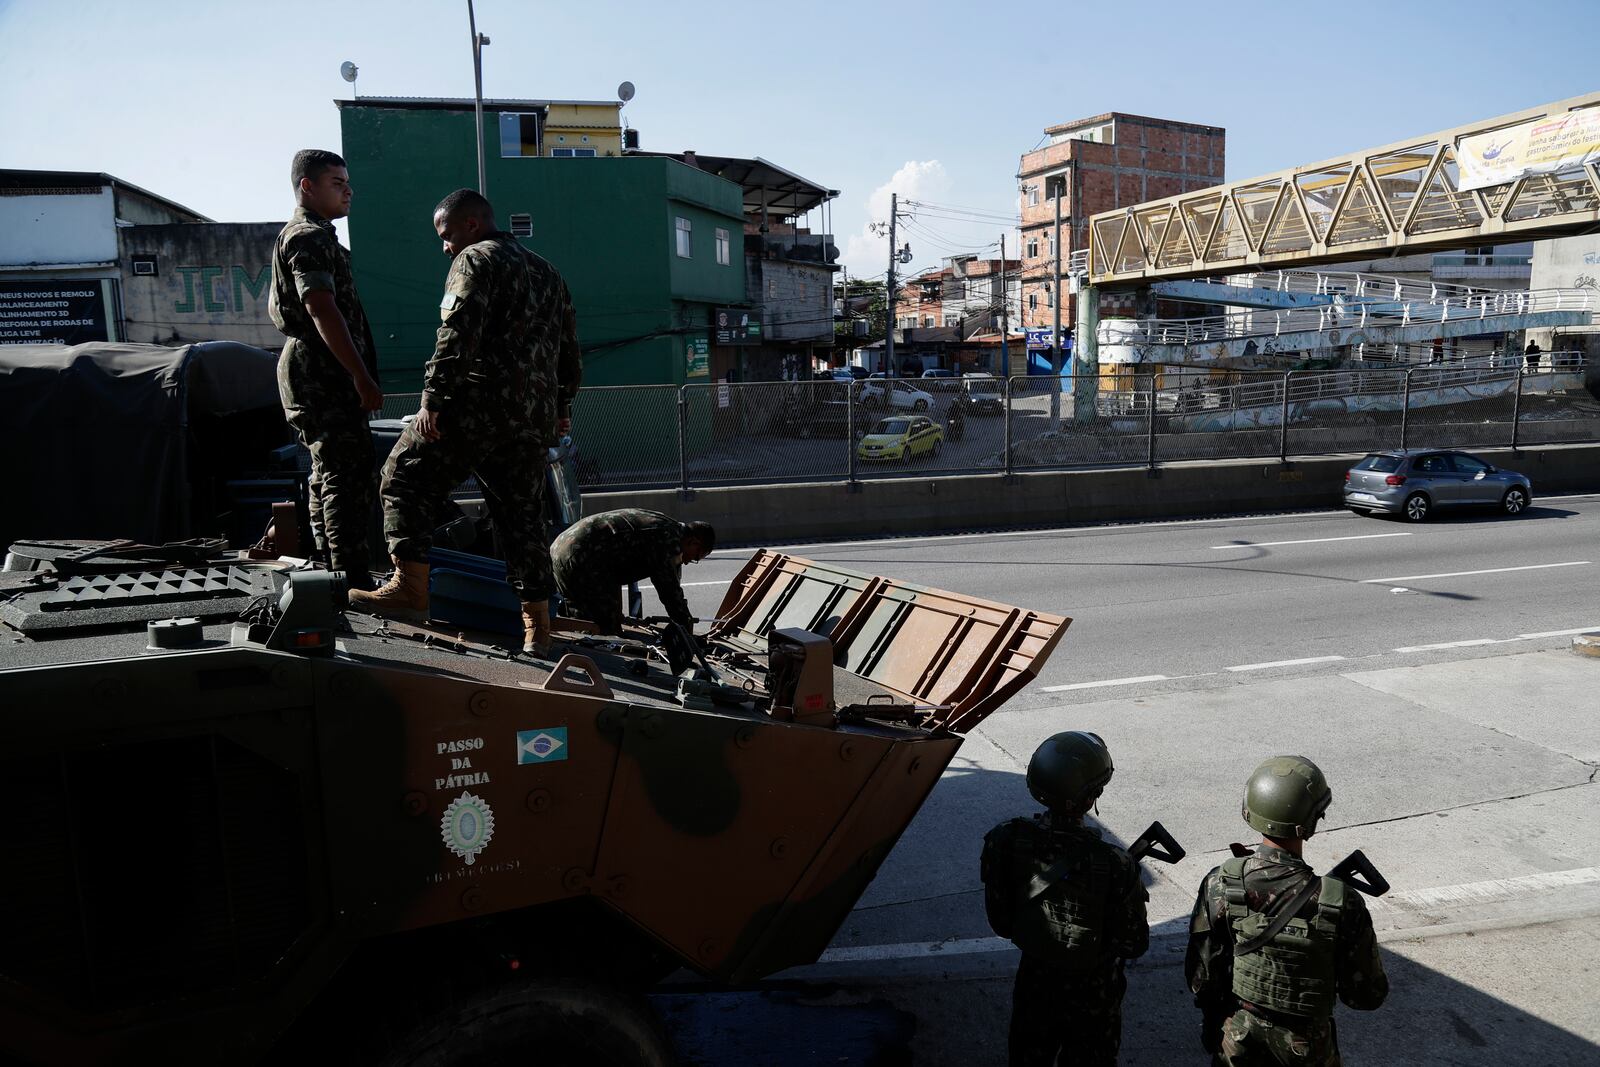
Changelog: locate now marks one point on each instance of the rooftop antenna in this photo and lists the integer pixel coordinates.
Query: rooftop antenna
(625, 92)
(348, 71)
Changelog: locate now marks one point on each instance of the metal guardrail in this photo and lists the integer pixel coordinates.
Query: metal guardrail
(724, 434)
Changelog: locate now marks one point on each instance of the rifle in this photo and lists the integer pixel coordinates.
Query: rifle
(1355, 871)
(1157, 844)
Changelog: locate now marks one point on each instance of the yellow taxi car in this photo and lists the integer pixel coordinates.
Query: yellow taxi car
(900, 438)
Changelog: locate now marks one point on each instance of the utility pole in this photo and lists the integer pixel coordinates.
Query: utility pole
(1055, 327)
(888, 338)
(1005, 319)
(478, 41)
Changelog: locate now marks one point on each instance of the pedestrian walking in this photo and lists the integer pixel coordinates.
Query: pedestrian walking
(1532, 354)
(496, 395)
(327, 374)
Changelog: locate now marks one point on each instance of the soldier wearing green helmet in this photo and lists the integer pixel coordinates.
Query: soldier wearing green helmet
(1073, 903)
(1272, 945)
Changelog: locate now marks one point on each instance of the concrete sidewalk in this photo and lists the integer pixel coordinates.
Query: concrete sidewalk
(1471, 784)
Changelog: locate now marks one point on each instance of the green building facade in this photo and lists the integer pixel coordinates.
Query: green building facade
(610, 224)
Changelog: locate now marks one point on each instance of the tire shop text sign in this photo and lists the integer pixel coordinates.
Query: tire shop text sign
(59, 311)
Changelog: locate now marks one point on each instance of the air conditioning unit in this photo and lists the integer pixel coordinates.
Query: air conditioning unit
(144, 266)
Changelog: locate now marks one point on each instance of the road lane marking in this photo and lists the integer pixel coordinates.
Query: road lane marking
(1307, 541)
(1462, 574)
(724, 581)
(1490, 889)
(1283, 663)
(1449, 644)
(1561, 633)
(1106, 682)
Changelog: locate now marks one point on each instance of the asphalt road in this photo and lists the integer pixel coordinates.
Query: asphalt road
(1202, 602)
(1424, 667)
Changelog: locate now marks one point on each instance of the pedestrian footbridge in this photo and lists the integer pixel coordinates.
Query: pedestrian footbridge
(1527, 175)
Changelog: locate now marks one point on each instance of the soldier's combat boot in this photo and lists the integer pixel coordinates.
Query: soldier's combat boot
(536, 627)
(404, 596)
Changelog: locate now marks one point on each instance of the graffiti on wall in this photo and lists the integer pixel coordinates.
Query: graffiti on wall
(210, 290)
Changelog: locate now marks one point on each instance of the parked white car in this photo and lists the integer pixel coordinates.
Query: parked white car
(902, 395)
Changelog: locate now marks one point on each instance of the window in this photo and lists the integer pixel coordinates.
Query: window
(1468, 465)
(1033, 248)
(724, 252)
(521, 225)
(1033, 301)
(1434, 464)
(1049, 298)
(519, 134)
(1033, 195)
(569, 153)
(685, 245)
(1381, 464)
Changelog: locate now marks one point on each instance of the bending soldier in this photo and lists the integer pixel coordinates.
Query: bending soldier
(1073, 904)
(1271, 944)
(599, 554)
(497, 392)
(326, 375)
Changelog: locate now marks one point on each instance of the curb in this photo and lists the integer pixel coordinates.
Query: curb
(1587, 644)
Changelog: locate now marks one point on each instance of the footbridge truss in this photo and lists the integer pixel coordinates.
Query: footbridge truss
(1402, 197)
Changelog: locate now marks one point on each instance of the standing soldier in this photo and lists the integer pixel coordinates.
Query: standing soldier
(599, 554)
(1073, 904)
(1272, 945)
(326, 375)
(497, 393)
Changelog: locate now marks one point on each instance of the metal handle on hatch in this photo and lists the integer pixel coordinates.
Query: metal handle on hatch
(558, 683)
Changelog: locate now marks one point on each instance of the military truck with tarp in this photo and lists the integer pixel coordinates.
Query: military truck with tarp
(249, 826)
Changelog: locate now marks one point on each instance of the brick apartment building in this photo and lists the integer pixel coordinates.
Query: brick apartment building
(1101, 163)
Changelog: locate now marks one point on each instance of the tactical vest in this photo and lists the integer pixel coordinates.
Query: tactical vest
(1295, 972)
(1065, 924)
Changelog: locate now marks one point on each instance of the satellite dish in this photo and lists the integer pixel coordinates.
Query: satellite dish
(347, 71)
(625, 92)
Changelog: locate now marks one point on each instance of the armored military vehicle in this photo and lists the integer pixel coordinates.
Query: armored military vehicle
(249, 826)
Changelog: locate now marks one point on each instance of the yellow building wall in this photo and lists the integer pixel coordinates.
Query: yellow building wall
(584, 126)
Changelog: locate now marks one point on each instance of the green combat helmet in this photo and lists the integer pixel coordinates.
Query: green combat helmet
(1069, 770)
(1285, 797)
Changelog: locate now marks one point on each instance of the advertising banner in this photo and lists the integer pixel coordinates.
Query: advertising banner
(1542, 146)
(697, 352)
(60, 311)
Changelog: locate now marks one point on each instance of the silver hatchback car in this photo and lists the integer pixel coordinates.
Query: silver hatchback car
(1415, 481)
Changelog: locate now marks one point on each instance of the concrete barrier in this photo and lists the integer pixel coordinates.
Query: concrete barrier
(773, 514)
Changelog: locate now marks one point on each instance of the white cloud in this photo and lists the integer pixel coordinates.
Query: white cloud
(866, 254)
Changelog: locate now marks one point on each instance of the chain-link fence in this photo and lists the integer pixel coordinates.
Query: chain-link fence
(727, 433)
(1078, 421)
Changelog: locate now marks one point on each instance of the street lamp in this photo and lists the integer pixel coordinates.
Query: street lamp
(478, 42)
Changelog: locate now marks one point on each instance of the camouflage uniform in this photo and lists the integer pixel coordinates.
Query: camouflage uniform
(599, 554)
(1066, 1003)
(319, 399)
(1239, 1033)
(504, 371)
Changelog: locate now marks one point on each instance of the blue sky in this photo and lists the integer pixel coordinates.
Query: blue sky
(206, 103)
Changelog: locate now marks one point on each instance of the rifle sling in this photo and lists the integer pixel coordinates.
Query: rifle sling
(1280, 918)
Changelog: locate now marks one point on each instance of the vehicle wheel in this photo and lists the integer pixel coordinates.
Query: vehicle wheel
(552, 1025)
(921, 405)
(1516, 501)
(1417, 507)
(937, 444)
